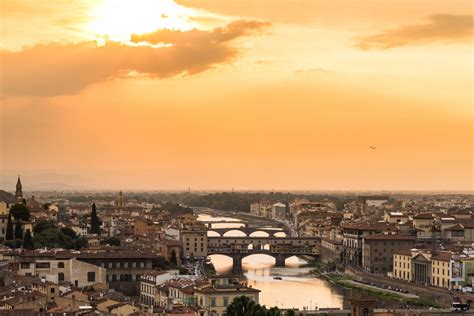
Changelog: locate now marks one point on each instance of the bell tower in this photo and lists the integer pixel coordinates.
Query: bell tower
(19, 191)
(120, 203)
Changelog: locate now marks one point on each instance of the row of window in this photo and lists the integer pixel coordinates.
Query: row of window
(125, 264)
(40, 265)
(122, 277)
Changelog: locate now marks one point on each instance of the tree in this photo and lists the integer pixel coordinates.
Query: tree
(95, 222)
(244, 306)
(20, 211)
(18, 230)
(43, 225)
(28, 241)
(111, 241)
(9, 232)
(80, 242)
(68, 231)
(14, 243)
(173, 258)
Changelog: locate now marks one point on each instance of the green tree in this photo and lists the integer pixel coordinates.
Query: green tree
(244, 306)
(20, 211)
(43, 225)
(18, 230)
(112, 241)
(173, 258)
(68, 231)
(14, 243)
(80, 242)
(9, 232)
(28, 241)
(290, 312)
(95, 222)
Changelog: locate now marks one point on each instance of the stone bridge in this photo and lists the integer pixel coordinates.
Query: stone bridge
(280, 248)
(249, 230)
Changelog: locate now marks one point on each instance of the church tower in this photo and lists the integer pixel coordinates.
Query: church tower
(120, 203)
(19, 191)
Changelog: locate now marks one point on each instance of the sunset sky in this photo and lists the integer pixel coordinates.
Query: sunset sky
(244, 94)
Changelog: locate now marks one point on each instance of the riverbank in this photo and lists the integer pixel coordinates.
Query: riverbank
(346, 281)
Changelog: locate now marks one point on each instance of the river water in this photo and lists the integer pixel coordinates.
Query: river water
(297, 289)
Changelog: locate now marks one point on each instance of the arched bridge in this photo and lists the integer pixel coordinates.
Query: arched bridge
(249, 230)
(280, 248)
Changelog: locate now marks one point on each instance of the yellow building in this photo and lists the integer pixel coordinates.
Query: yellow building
(402, 265)
(220, 292)
(440, 273)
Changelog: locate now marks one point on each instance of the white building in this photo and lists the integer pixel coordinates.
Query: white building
(279, 211)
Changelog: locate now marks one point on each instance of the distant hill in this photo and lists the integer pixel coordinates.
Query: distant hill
(7, 197)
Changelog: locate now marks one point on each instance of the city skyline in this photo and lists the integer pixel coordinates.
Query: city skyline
(147, 95)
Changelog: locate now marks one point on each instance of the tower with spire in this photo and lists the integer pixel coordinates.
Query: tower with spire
(19, 191)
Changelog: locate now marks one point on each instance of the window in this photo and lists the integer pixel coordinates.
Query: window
(60, 276)
(61, 265)
(42, 265)
(213, 301)
(90, 276)
(226, 301)
(25, 265)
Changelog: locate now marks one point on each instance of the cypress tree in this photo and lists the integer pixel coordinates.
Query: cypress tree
(9, 232)
(95, 222)
(18, 230)
(28, 241)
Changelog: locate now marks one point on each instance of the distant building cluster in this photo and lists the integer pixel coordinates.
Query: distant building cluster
(125, 256)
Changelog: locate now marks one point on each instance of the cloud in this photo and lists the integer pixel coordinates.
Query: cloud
(60, 69)
(439, 27)
(216, 37)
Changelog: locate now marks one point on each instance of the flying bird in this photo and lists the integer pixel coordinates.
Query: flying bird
(372, 147)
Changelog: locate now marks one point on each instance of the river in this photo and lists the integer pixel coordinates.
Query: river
(297, 288)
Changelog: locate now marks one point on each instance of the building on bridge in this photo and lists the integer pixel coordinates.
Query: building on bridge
(280, 248)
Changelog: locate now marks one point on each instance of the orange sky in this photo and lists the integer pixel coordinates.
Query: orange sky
(244, 94)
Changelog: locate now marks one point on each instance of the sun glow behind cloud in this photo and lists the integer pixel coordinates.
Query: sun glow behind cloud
(119, 19)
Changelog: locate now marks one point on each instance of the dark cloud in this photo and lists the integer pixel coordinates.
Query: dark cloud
(439, 27)
(60, 69)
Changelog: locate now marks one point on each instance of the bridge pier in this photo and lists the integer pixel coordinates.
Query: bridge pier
(236, 264)
(280, 261)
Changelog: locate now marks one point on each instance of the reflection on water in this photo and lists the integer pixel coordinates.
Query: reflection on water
(296, 289)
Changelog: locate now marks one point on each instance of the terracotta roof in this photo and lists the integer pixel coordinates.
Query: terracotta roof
(466, 222)
(456, 227)
(442, 256)
(389, 237)
(424, 216)
(404, 252)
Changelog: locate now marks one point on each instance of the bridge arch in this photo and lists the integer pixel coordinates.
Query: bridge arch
(213, 233)
(259, 233)
(234, 233)
(280, 234)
